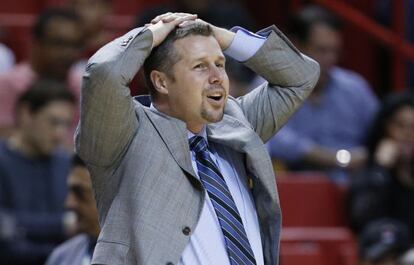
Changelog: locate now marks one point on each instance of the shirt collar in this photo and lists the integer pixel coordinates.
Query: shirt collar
(202, 133)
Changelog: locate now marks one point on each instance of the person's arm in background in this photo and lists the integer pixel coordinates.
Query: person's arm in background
(293, 146)
(289, 145)
(365, 103)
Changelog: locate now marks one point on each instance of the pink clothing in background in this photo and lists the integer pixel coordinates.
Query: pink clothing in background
(18, 80)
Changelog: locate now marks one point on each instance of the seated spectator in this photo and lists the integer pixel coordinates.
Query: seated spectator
(383, 242)
(80, 200)
(386, 187)
(56, 46)
(7, 58)
(328, 131)
(33, 173)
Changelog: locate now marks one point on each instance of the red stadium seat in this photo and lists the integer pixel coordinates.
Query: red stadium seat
(319, 246)
(314, 224)
(310, 201)
(301, 253)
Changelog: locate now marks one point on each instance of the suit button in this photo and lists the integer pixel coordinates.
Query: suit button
(169, 263)
(186, 230)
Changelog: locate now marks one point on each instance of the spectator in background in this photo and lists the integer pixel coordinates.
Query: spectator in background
(386, 187)
(339, 111)
(7, 58)
(93, 14)
(33, 173)
(383, 242)
(80, 200)
(56, 45)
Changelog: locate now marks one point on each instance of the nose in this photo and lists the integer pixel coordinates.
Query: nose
(60, 132)
(71, 202)
(216, 75)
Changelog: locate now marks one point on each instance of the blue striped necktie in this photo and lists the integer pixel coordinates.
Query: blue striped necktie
(237, 243)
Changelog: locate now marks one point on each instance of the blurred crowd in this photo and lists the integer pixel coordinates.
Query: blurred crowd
(359, 141)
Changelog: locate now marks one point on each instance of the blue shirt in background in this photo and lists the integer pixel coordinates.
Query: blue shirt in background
(339, 120)
(32, 192)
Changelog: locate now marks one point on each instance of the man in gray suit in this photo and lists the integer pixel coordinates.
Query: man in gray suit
(156, 201)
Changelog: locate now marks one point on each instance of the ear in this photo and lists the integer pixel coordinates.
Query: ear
(159, 81)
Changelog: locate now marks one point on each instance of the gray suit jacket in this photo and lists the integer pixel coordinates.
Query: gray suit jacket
(147, 193)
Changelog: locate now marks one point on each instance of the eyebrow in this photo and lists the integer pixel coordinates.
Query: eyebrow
(220, 57)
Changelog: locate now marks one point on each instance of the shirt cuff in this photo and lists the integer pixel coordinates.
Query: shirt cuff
(244, 45)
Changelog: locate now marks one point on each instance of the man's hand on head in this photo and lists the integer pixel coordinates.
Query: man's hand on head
(223, 36)
(163, 24)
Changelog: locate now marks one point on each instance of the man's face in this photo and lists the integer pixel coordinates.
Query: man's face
(59, 48)
(199, 86)
(81, 201)
(47, 128)
(323, 45)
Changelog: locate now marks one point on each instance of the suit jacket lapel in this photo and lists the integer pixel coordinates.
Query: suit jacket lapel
(234, 134)
(174, 134)
(238, 136)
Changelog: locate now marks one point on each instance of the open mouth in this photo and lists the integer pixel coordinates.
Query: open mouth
(215, 97)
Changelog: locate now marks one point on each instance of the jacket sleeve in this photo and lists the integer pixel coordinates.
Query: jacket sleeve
(290, 77)
(108, 120)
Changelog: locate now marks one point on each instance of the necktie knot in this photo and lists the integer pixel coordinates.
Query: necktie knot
(197, 144)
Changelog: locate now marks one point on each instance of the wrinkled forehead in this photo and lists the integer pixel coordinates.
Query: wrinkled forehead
(194, 47)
